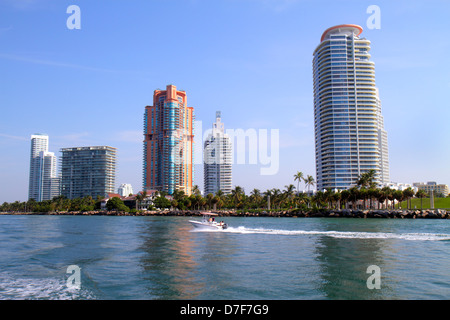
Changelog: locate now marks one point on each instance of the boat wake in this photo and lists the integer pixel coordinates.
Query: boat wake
(16, 287)
(337, 234)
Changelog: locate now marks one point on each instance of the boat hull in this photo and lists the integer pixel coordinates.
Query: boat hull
(207, 225)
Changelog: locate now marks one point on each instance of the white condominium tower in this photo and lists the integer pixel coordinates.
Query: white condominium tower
(217, 157)
(44, 182)
(349, 131)
(125, 189)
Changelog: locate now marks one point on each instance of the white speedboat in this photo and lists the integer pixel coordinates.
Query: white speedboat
(209, 222)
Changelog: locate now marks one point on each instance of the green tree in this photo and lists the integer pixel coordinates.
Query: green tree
(161, 202)
(87, 204)
(398, 195)
(209, 200)
(115, 203)
(255, 198)
(367, 179)
(237, 195)
(298, 177)
(345, 197)
(408, 193)
(196, 190)
(386, 194)
(300, 199)
(268, 194)
(289, 192)
(421, 194)
(309, 182)
(276, 198)
(354, 196)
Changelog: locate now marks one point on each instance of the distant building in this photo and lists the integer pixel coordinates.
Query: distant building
(432, 186)
(43, 179)
(217, 160)
(88, 171)
(168, 142)
(399, 186)
(125, 189)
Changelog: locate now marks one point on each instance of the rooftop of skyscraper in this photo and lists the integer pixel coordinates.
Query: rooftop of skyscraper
(342, 28)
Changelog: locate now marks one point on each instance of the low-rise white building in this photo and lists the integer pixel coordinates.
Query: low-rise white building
(400, 186)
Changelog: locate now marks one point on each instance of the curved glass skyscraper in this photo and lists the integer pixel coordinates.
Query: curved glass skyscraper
(349, 132)
(44, 181)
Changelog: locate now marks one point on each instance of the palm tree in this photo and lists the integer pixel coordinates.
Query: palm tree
(139, 197)
(215, 201)
(289, 192)
(221, 196)
(408, 194)
(255, 197)
(309, 181)
(337, 199)
(193, 201)
(300, 198)
(298, 177)
(386, 194)
(276, 198)
(220, 193)
(268, 194)
(345, 196)
(196, 190)
(328, 197)
(421, 194)
(201, 201)
(319, 198)
(236, 195)
(209, 199)
(178, 195)
(398, 195)
(366, 179)
(354, 196)
(373, 194)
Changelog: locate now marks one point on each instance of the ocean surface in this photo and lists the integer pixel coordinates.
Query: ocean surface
(123, 258)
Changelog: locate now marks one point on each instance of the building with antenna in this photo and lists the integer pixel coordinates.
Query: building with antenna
(217, 159)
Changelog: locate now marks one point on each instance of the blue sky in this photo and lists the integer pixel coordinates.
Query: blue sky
(251, 59)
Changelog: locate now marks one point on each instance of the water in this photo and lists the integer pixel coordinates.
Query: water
(255, 258)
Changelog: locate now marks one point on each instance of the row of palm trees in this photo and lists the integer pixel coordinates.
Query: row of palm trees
(364, 195)
(59, 203)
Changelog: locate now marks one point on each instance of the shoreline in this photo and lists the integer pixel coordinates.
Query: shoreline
(320, 213)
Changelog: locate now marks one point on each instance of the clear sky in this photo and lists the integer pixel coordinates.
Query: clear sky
(251, 59)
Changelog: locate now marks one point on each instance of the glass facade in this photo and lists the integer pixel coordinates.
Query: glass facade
(217, 160)
(87, 171)
(349, 134)
(168, 142)
(43, 180)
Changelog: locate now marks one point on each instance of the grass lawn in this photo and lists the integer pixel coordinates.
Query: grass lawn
(439, 203)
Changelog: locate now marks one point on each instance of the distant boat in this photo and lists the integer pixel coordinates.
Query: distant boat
(209, 222)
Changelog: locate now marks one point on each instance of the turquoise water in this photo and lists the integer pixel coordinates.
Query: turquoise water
(256, 258)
